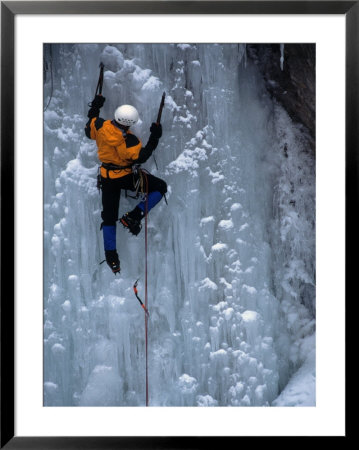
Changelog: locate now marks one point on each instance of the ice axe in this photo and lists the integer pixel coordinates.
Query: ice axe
(99, 83)
(162, 104)
(159, 115)
(100, 80)
(138, 298)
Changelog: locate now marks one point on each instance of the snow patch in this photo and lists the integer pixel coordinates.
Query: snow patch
(250, 316)
(66, 306)
(207, 284)
(152, 84)
(219, 247)
(205, 220)
(236, 206)
(183, 46)
(188, 161)
(112, 59)
(301, 388)
(226, 224)
(187, 384)
(58, 349)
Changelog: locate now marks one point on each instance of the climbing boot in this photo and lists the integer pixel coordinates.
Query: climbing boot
(113, 261)
(132, 220)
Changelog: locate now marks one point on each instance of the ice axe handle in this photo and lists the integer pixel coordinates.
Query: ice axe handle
(161, 108)
(100, 80)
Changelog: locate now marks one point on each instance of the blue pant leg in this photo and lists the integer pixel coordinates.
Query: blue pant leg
(109, 237)
(153, 198)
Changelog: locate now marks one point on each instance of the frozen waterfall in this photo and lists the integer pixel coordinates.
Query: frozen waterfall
(231, 280)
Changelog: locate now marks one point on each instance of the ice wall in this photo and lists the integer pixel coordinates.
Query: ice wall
(231, 257)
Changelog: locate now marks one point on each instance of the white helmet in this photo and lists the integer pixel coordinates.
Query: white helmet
(126, 115)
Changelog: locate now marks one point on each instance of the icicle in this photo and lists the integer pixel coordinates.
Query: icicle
(281, 56)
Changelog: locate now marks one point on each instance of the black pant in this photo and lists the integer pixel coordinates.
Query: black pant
(111, 191)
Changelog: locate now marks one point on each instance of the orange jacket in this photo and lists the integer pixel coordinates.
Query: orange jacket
(114, 146)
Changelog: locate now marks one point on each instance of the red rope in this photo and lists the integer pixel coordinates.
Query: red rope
(146, 297)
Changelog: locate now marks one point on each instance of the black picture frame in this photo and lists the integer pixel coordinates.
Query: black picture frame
(9, 9)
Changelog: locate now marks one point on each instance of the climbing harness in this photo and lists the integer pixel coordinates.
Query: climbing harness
(137, 183)
(113, 167)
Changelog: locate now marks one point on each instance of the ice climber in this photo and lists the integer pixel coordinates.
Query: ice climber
(120, 153)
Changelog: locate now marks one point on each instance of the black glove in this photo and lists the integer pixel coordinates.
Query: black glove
(98, 101)
(156, 130)
(93, 112)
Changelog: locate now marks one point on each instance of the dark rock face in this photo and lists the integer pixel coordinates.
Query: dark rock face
(294, 86)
